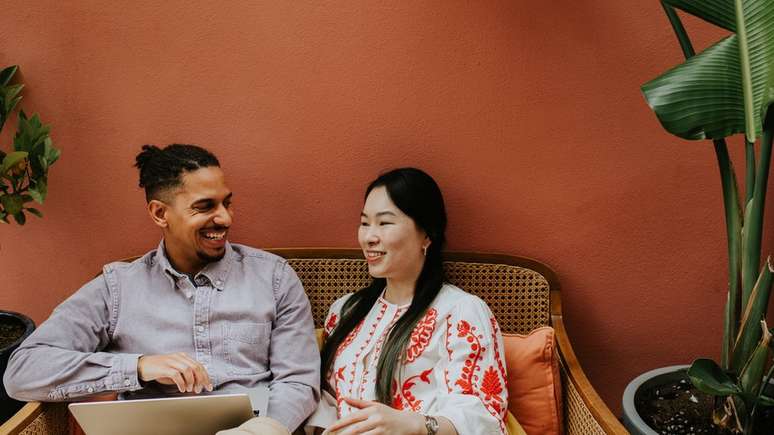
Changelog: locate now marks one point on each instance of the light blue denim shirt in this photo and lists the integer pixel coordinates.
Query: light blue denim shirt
(246, 318)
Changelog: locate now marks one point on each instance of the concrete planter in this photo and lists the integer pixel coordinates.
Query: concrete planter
(8, 406)
(631, 418)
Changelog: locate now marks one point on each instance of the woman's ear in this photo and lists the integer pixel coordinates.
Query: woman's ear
(158, 212)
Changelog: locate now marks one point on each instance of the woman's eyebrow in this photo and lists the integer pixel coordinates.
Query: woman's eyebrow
(379, 214)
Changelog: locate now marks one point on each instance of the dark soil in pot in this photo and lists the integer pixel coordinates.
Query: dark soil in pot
(10, 331)
(677, 408)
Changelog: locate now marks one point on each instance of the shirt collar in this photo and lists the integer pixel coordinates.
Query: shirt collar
(215, 272)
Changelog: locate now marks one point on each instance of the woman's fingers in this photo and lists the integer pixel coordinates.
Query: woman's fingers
(359, 403)
(362, 427)
(353, 418)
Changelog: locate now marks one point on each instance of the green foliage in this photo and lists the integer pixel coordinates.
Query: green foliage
(24, 169)
(728, 89)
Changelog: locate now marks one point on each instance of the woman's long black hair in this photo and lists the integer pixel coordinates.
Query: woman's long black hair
(417, 195)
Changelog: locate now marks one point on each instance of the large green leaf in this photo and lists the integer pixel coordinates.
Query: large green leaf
(703, 98)
(708, 377)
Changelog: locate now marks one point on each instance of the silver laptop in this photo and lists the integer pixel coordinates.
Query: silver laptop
(195, 415)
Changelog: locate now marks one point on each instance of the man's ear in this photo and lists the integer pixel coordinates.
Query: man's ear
(158, 212)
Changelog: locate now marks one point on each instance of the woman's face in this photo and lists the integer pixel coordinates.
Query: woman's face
(392, 243)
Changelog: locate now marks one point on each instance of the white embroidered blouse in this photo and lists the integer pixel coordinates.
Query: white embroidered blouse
(454, 363)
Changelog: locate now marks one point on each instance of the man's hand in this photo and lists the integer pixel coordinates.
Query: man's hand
(175, 368)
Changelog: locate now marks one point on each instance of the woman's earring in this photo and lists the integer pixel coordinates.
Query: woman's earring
(424, 250)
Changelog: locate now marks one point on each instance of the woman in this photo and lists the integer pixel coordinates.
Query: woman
(410, 354)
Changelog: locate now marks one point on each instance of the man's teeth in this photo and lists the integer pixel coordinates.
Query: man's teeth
(374, 254)
(215, 236)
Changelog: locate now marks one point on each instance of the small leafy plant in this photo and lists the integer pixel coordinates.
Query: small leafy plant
(727, 90)
(23, 170)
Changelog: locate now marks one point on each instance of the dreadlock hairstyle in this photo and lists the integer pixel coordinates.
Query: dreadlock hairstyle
(162, 169)
(417, 195)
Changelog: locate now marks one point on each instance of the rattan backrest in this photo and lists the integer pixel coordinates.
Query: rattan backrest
(516, 289)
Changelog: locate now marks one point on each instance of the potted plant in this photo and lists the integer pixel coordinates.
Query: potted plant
(725, 90)
(23, 179)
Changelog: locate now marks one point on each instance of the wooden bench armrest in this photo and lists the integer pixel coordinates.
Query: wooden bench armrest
(584, 411)
(37, 418)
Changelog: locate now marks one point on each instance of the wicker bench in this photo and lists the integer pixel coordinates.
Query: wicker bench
(522, 293)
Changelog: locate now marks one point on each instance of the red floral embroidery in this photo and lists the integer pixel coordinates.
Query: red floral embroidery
(406, 394)
(378, 349)
(498, 356)
(421, 335)
(350, 338)
(329, 325)
(469, 376)
(397, 400)
(449, 350)
(331, 322)
(491, 385)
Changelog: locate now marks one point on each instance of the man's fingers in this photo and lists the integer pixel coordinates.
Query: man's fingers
(183, 367)
(178, 379)
(200, 373)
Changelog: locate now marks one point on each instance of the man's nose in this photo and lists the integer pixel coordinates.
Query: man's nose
(223, 217)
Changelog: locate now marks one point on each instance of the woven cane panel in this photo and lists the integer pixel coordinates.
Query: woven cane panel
(327, 279)
(578, 419)
(52, 421)
(517, 296)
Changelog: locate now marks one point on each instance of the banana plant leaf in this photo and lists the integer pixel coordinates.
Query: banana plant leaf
(750, 332)
(751, 376)
(708, 377)
(703, 98)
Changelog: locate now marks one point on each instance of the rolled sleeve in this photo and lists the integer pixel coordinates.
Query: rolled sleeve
(295, 358)
(62, 359)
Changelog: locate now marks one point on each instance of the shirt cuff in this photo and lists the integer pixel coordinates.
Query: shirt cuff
(125, 377)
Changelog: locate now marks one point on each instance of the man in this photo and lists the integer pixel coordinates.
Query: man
(197, 314)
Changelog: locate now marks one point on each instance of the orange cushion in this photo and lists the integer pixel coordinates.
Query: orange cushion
(534, 383)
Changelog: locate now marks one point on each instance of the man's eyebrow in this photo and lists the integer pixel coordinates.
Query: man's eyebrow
(208, 201)
(203, 201)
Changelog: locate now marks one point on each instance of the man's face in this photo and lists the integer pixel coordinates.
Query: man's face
(198, 217)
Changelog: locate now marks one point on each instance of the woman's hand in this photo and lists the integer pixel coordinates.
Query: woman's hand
(377, 418)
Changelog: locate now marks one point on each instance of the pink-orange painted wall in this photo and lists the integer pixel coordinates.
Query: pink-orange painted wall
(528, 114)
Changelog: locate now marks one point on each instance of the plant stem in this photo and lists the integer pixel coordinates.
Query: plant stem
(733, 232)
(677, 26)
(753, 220)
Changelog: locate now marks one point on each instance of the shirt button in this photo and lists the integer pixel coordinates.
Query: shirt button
(127, 382)
(90, 390)
(200, 328)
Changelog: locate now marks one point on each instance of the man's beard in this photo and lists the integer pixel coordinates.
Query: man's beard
(206, 259)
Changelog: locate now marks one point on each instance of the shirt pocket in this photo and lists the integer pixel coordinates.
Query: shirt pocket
(247, 347)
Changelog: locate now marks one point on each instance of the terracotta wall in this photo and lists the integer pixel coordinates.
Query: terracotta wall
(528, 114)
